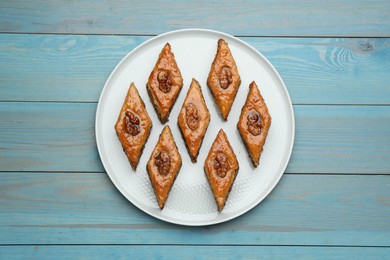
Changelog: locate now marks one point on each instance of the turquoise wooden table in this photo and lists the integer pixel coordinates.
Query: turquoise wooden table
(56, 200)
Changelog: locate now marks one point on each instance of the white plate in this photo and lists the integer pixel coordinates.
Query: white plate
(191, 201)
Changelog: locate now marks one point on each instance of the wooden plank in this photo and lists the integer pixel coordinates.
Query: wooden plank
(72, 208)
(341, 139)
(59, 68)
(75, 67)
(61, 137)
(252, 18)
(331, 71)
(48, 136)
(192, 252)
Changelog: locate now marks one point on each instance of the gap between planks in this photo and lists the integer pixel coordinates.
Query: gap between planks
(286, 173)
(96, 102)
(198, 245)
(237, 36)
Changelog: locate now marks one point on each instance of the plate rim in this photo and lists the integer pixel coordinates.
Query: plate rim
(99, 141)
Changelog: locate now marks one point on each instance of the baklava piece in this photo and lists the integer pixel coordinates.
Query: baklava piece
(224, 80)
(165, 83)
(133, 126)
(254, 123)
(221, 168)
(163, 166)
(194, 118)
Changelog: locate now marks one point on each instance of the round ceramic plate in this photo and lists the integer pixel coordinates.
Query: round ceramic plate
(191, 201)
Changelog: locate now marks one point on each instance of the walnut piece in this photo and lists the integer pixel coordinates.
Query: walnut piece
(163, 162)
(255, 124)
(132, 123)
(225, 77)
(164, 81)
(221, 164)
(192, 116)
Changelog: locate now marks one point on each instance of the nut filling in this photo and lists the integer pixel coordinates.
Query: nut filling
(255, 124)
(164, 81)
(225, 77)
(221, 164)
(163, 162)
(132, 124)
(192, 117)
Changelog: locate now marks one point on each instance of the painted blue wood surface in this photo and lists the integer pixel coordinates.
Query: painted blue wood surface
(59, 54)
(61, 137)
(75, 208)
(193, 252)
(75, 67)
(252, 18)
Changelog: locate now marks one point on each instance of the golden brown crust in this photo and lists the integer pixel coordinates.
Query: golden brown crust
(221, 168)
(163, 94)
(161, 181)
(254, 139)
(224, 79)
(133, 144)
(194, 131)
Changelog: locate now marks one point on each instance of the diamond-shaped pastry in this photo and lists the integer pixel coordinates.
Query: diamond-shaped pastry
(254, 123)
(224, 80)
(163, 166)
(165, 83)
(221, 168)
(133, 126)
(193, 120)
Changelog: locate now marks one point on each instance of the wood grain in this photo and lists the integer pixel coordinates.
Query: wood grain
(61, 137)
(48, 136)
(72, 208)
(192, 252)
(75, 67)
(341, 139)
(251, 18)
